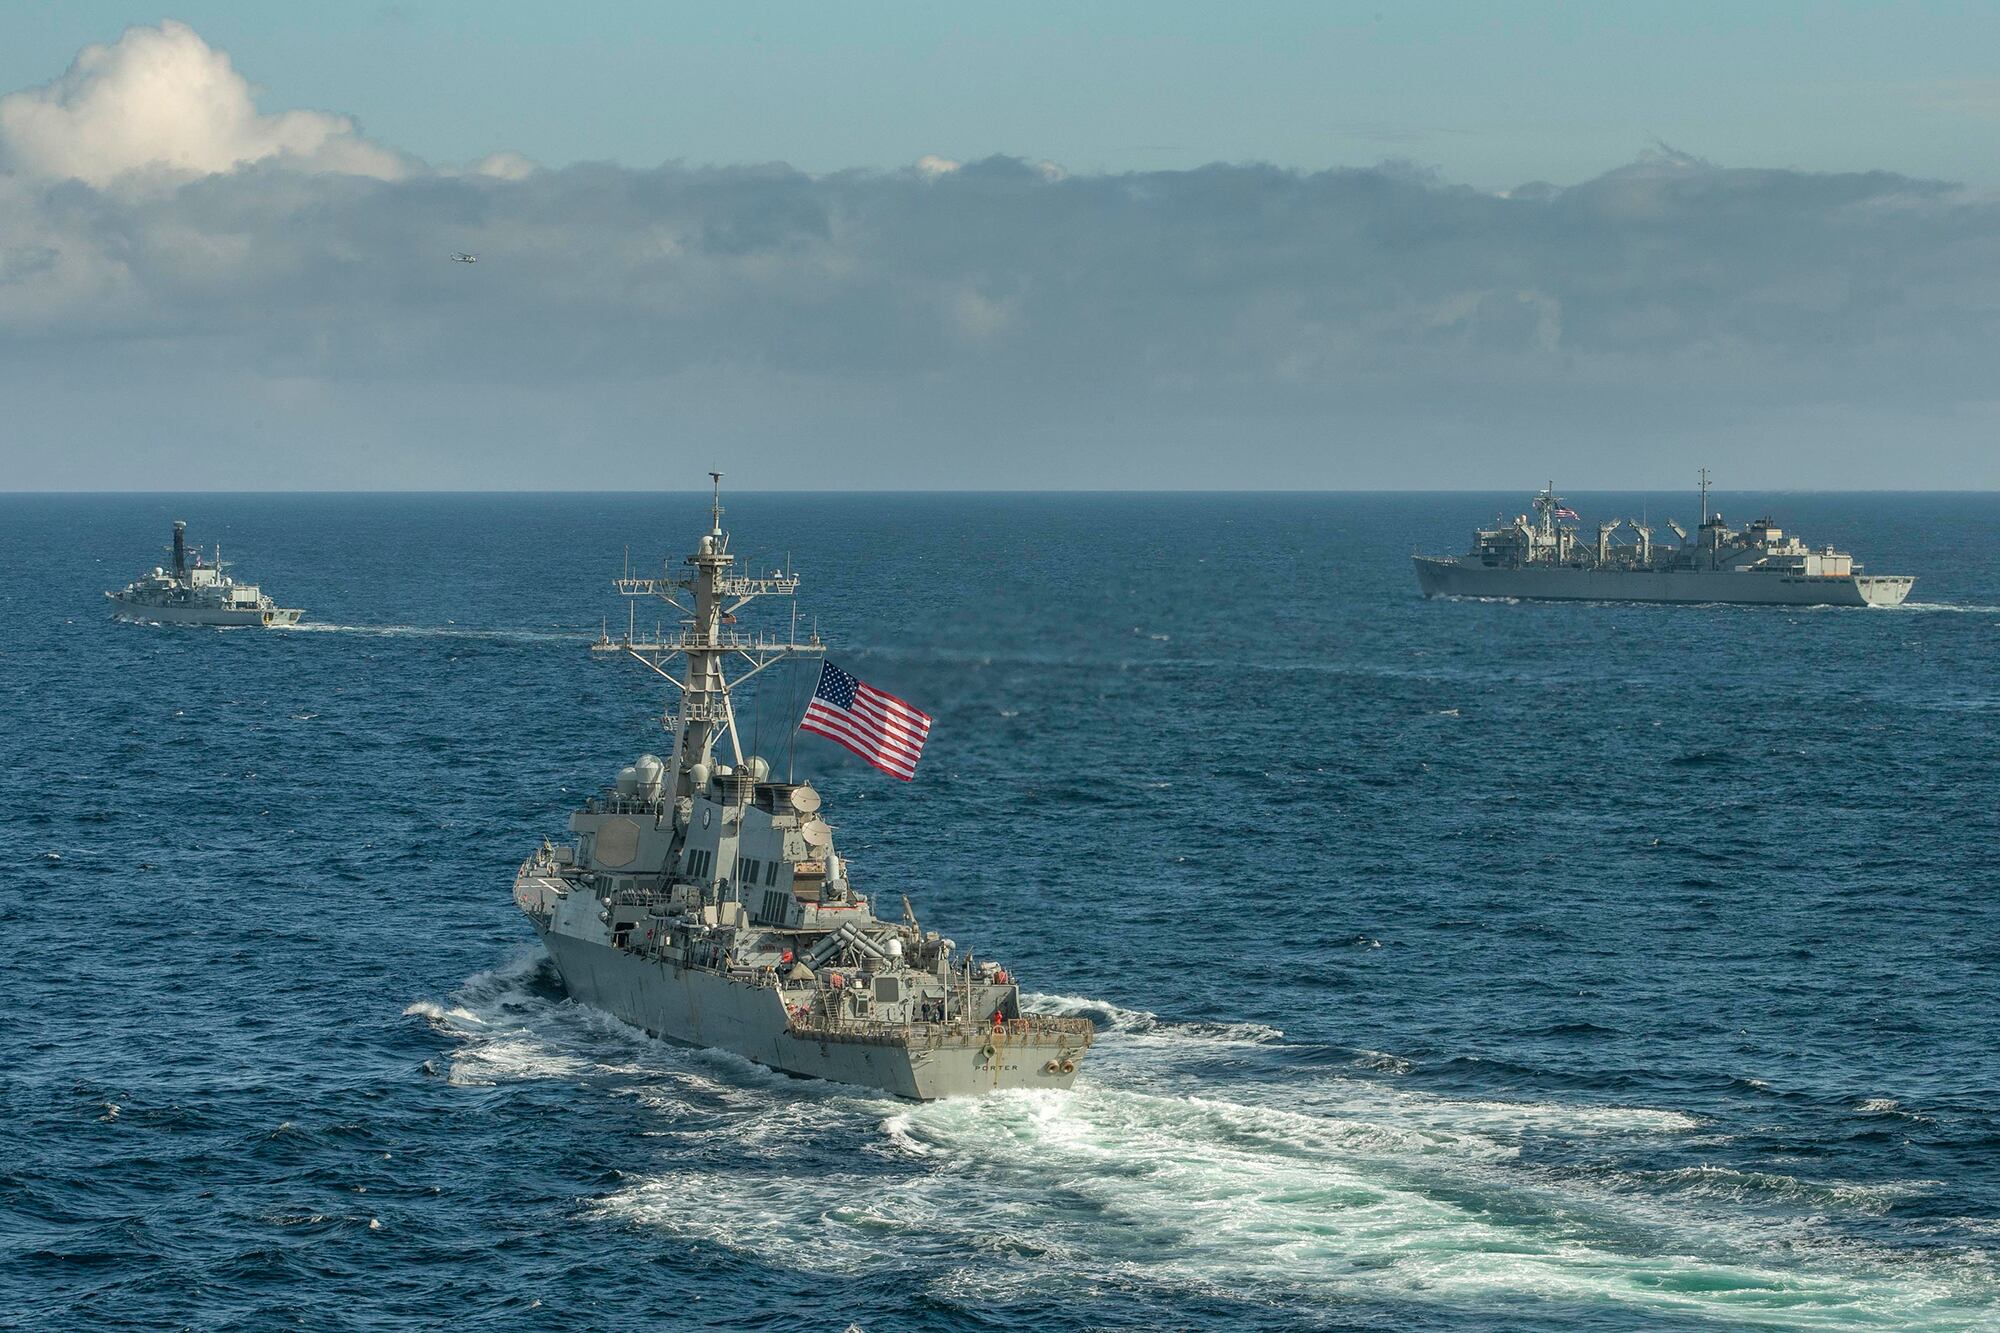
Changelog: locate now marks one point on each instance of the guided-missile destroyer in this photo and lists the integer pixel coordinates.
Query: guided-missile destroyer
(702, 899)
(195, 592)
(1543, 558)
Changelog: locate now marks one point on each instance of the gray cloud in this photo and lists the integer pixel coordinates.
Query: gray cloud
(282, 320)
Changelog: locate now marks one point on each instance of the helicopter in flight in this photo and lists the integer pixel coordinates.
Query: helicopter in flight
(460, 257)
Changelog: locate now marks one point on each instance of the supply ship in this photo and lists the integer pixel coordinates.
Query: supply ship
(702, 899)
(195, 592)
(1544, 558)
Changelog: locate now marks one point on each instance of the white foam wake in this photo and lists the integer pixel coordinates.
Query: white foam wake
(1324, 1185)
(440, 632)
(1140, 1023)
(1050, 1194)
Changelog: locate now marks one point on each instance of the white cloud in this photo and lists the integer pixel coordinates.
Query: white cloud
(506, 166)
(1121, 319)
(163, 99)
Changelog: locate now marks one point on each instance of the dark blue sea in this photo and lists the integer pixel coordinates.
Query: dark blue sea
(1459, 965)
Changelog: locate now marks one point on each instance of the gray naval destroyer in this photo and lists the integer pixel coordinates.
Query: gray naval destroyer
(703, 900)
(198, 593)
(1541, 558)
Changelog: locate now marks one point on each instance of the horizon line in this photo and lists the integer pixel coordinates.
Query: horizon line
(52, 493)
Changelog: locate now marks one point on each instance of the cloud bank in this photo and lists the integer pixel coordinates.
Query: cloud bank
(193, 292)
(162, 99)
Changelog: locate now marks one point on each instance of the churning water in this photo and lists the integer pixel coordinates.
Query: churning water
(1457, 964)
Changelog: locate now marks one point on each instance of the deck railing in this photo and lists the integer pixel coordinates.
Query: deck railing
(1033, 1028)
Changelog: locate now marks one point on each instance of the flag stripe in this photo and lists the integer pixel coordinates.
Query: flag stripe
(829, 722)
(889, 701)
(882, 729)
(891, 724)
(884, 695)
(859, 743)
(896, 765)
(902, 717)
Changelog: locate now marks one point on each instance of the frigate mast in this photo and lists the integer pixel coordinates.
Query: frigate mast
(703, 713)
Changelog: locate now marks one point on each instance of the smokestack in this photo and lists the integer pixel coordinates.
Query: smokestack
(180, 549)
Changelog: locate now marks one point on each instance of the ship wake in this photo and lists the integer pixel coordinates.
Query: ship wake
(1315, 1181)
(441, 632)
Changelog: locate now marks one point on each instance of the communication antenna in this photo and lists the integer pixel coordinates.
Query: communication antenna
(716, 508)
(1704, 497)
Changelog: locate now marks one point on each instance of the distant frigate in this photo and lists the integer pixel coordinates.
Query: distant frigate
(702, 899)
(195, 592)
(1542, 559)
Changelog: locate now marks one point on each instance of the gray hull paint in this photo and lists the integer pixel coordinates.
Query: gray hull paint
(145, 613)
(1448, 578)
(703, 1008)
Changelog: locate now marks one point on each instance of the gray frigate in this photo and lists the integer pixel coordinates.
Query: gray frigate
(703, 900)
(1543, 558)
(198, 592)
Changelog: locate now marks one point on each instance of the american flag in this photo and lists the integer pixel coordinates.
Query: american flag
(879, 727)
(1568, 513)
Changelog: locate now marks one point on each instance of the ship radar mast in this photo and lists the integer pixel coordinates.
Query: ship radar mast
(707, 598)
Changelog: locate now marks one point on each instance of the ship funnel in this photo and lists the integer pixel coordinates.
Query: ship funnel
(180, 549)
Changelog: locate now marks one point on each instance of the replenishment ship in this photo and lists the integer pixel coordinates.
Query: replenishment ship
(702, 899)
(198, 592)
(1544, 558)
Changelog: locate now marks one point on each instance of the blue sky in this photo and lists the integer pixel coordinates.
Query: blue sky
(1491, 94)
(1124, 246)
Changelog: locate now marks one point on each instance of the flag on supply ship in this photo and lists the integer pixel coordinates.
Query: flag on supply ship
(1569, 513)
(879, 727)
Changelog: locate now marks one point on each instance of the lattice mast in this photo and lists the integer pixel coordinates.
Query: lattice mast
(707, 599)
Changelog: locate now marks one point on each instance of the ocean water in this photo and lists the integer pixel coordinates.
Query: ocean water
(1458, 965)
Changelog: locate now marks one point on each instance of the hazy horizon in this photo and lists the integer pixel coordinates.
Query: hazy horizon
(1715, 492)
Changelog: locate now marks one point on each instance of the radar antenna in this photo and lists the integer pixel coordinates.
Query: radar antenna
(707, 597)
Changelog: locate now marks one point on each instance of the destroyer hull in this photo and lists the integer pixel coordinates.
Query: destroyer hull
(1449, 578)
(277, 618)
(704, 1008)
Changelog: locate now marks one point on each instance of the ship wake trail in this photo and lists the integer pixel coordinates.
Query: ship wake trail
(511, 1024)
(1958, 608)
(1315, 1186)
(1196, 1197)
(443, 632)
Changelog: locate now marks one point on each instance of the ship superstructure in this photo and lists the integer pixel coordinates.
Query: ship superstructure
(1547, 557)
(195, 591)
(702, 897)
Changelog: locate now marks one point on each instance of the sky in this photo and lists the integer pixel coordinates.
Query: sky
(1028, 246)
